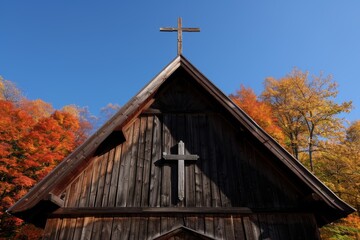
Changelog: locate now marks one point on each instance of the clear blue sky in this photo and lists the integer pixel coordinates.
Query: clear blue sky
(91, 53)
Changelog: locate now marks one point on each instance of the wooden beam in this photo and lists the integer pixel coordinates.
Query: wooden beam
(55, 199)
(167, 211)
(125, 211)
(191, 157)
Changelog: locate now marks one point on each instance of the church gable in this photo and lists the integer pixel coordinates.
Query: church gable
(231, 170)
(180, 151)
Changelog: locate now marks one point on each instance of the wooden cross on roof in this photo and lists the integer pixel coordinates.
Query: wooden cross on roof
(179, 31)
(181, 158)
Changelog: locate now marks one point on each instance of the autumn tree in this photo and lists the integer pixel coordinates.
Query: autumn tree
(338, 167)
(9, 91)
(261, 112)
(279, 95)
(29, 149)
(305, 109)
(37, 109)
(87, 121)
(33, 139)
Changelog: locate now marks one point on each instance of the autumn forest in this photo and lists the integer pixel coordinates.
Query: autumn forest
(299, 110)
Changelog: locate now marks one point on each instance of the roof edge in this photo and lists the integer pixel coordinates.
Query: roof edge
(83, 151)
(303, 173)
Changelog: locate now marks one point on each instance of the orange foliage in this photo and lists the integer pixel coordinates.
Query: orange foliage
(259, 111)
(37, 109)
(345, 228)
(29, 232)
(32, 142)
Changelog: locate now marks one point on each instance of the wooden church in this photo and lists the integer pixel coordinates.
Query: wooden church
(180, 161)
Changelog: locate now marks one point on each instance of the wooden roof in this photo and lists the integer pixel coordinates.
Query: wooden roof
(45, 195)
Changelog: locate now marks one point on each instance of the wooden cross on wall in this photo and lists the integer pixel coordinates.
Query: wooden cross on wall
(179, 31)
(181, 158)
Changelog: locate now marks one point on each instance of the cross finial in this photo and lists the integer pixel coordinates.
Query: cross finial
(179, 31)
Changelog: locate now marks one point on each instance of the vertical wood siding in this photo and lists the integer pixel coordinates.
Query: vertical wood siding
(231, 171)
(260, 226)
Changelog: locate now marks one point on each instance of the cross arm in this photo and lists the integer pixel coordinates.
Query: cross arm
(168, 29)
(180, 157)
(171, 29)
(191, 29)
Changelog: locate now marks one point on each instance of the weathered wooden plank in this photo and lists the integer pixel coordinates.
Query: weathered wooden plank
(238, 171)
(258, 175)
(219, 227)
(123, 182)
(115, 177)
(117, 228)
(96, 231)
(49, 228)
(154, 227)
(172, 222)
(222, 155)
(133, 163)
(56, 232)
(78, 228)
(106, 228)
(140, 163)
(271, 188)
(108, 174)
(228, 135)
(143, 228)
(101, 180)
(166, 183)
(209, 226)
(190, 168)
(238, 228)
(249, 177)
(254, 219)
(164, 224)
(212, 142)
(229, 230)
(199, 194)
(70, 197)
(87, 228)
(78, 189)
(154, 199)
(94, 180)
(200, 225)
(147, 162)
(191, 222)
(250, 232)
(71, 230)
(204, 163)
(134, 228)
(85, 186)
